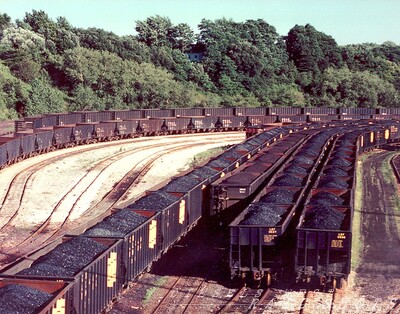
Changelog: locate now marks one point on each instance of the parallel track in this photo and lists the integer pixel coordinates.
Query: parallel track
(52, 228)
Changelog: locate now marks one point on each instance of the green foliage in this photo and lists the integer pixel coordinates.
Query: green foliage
(158, 31)
(5, 21)
(345, 88)
(311, 50)
(48, 66)
(13, 94)
(44, 99)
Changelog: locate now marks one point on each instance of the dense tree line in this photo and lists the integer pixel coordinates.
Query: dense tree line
(52, 66)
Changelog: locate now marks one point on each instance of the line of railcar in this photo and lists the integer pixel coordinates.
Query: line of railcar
(322, 207)
(47, 120)
(53, 131)
(257, 235)
(90, 267)
(44, 138)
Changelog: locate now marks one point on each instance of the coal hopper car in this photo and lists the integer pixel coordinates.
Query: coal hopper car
(258, 236)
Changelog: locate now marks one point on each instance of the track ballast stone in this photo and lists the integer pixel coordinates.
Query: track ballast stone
(22, 299)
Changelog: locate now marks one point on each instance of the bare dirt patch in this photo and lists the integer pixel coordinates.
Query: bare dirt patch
(377, 278)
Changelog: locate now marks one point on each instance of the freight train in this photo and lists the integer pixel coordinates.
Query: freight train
(83, 273)
(39, 134)
(302, 219)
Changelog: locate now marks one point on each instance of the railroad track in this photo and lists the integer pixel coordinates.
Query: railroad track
(58, 222)
(318, 302)
(246, 300)
(180, 295)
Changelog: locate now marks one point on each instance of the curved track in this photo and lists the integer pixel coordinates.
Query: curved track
(58, 221)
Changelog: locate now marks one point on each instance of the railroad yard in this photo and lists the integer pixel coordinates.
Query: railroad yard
(182, 282)
(29, 199)
(300, 217)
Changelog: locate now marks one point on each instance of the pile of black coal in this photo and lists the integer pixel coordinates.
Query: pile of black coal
(340, 162)
(241, 148)
(263, 214)
(288, 180)
(336, 172)
(295, 169)
(219, 162)
(182, 184)
(303, 159)
(323, 217)
(15, 298)
(66, 259)
(326, 198)
(333, 182)
(116, 225)
(232, 154)
(157, 201)
(204, 172)
(279, 196)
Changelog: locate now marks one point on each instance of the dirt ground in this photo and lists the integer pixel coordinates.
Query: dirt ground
(377, 277)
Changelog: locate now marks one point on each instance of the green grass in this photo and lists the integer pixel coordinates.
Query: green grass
(149, 293)
(390, 178)
(207, 154)
(357, 244)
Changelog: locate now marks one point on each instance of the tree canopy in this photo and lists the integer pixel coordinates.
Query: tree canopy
(49, 65)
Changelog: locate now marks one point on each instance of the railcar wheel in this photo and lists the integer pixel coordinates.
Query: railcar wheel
(334, 283)
(268, 279)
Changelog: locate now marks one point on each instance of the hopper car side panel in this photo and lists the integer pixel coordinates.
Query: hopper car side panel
(3, 155)
(94, 286)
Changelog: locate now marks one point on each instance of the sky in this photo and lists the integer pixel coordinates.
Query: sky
(347, 21)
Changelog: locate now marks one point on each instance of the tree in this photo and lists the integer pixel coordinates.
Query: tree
(345, 88)
(181, 37)
(312, 51)
(5, 21)
(154, 31)
(13, 94)
(59, 35)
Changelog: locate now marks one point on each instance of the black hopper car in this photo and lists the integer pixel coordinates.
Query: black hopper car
(84, 272)
(301, 220)
(43, 133)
